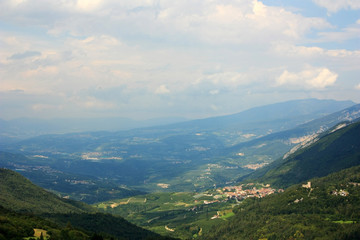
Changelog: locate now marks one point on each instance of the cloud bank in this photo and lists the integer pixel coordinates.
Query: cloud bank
(146, 59)
(312, 78)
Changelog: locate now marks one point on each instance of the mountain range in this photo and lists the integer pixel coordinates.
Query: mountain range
(189, 156)
(314, 157)
(334, 150)
(21, 128)
(270, 116)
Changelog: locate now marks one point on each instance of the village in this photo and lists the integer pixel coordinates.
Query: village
(238, 193)
(241, 192)
(244, 191)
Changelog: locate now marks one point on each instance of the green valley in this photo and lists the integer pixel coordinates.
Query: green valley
(192, 180)
(179, 120)
(183, 214)
(189, 156)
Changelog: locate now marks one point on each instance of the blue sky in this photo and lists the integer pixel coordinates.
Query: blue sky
(158, 58)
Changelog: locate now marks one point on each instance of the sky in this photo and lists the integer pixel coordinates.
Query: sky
(170, 58)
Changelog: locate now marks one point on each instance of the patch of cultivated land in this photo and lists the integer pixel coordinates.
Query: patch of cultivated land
(172, 214)
(184, 214)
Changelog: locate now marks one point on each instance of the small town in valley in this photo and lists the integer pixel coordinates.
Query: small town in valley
(244, 191)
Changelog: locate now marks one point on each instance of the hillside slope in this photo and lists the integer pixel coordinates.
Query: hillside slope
(328, 209)
(84, 188)
(337, 149)
(18, 196)
(285, 139)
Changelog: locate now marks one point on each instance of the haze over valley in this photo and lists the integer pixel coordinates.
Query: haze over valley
(189, 156)
(180, 179)
(159, 119)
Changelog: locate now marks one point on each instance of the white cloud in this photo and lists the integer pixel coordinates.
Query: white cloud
(336, 5)
(162, 89)
(350, 32)
(110, 54)
(23, 55)
(230, 80)
(324, 79)
(208, 21)
(313, 78)
(214, 92)
(88, 5)
(287, 49)
(240, 22)
(214, 107)
(357, 87)
(44, 107)
(90, 102)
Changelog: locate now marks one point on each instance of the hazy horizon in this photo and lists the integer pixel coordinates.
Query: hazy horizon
(158, 59)
(166, 118)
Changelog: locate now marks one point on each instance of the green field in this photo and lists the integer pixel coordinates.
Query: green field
(345, 222)
(181, 214)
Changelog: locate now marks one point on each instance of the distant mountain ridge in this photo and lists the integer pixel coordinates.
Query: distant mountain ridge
(188, 156)
(333, 150)
(22, 128)
(272, 116)
(318, 125)
(284, 141)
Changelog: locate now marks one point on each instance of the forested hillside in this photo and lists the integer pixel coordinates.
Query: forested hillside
(25, 207)
(19, 194)
(326, 208)
(337, 149)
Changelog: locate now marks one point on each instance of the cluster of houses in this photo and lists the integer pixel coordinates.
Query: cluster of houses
(243, 191)
(85, 182)
(341, 192)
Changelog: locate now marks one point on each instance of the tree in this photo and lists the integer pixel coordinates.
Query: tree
(96, 236)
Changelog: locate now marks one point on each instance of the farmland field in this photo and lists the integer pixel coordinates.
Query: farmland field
(180, 214)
